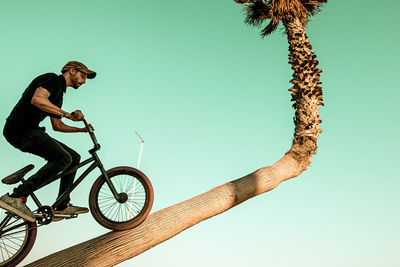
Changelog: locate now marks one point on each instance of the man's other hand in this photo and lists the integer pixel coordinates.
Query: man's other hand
(77, 115)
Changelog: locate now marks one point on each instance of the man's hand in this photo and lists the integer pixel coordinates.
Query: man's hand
(78, 116)
(85, 130)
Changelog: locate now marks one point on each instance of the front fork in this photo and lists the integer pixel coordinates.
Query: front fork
(117, 196)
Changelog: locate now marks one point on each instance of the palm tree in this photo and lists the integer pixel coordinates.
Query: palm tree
(306, 92)
(115, 247)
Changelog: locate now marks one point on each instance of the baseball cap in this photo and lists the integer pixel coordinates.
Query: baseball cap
(79, 66)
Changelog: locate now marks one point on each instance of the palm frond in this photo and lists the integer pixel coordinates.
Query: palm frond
(244, 1)
(288, 9)
(313, 6)
(256, 13)
(270, 28)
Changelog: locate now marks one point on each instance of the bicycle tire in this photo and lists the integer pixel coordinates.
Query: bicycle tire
(108, 212)
(16, 244)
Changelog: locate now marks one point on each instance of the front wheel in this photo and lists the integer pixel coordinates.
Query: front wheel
(16, 238)
(133, 206)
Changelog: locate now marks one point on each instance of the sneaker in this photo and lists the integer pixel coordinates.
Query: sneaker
(16, 206)
(72, 210)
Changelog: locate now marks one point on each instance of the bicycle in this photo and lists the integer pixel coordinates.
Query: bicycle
(120, 199)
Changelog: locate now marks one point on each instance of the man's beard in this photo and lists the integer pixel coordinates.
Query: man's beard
(75, 83)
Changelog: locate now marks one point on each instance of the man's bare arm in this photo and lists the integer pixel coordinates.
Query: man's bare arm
(41, 100)
(59, 126)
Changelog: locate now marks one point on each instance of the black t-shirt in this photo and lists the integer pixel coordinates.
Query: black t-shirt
(26, 116)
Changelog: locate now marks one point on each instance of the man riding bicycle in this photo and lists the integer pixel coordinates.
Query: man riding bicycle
(44, 97)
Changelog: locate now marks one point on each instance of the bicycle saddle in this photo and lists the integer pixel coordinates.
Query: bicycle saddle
(16, 176)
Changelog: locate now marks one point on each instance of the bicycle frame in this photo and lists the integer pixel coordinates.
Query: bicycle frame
(96, 163)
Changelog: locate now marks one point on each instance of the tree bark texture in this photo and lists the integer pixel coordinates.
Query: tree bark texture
(115, 247)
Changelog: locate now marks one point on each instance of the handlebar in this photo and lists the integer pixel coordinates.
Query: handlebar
(92, 136)
(88, 126)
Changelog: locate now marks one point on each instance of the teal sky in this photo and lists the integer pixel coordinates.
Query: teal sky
(210, 99)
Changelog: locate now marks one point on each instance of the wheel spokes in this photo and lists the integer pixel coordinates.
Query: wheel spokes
(13, 237)
(120, 212)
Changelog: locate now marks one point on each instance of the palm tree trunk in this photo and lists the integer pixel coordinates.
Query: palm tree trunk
(306, 92)
(115, 247)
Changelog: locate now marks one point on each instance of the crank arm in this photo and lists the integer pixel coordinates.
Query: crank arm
(65, 216)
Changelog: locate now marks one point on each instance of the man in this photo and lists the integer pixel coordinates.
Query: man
(42, 98)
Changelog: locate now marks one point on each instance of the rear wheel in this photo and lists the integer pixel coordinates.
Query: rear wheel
(135, 199)
(16, 238)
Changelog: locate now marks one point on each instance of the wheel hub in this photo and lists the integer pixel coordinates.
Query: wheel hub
(122, 198)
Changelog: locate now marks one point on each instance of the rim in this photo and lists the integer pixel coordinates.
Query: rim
(12, 241)
(128, 210)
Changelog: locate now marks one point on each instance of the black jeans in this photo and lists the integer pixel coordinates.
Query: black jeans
(59, 158)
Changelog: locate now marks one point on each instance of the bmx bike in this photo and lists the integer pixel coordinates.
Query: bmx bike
(120, 199)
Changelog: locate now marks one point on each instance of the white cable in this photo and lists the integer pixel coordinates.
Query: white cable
(134, 183)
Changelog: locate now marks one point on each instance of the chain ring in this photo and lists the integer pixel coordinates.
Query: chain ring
(47, 215)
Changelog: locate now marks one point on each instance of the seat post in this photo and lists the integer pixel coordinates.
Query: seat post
(36, 200)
